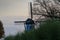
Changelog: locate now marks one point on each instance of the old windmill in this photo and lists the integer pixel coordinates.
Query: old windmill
(29, 22)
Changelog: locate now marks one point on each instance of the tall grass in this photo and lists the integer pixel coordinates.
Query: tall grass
(50, 30)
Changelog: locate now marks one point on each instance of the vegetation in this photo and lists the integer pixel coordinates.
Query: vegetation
(50, 9)
(48, 31)
(1, 30)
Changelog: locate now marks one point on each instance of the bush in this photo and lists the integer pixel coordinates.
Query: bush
(9, 37)
(50, 30)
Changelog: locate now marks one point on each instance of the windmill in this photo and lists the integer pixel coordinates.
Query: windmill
(31, 20)
(29, 23)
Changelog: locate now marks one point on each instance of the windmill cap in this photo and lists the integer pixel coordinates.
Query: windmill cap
(29, 21)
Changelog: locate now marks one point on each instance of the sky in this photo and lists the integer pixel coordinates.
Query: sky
(14, 8)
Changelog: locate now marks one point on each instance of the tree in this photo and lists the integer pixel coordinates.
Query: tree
(46, 8)
(1, 30)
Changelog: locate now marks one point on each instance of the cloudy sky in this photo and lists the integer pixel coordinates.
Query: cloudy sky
(14, 7)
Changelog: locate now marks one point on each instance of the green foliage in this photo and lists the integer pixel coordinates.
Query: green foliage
(9, 37)
(50, 30)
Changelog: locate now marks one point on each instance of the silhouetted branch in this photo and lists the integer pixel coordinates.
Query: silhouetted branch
(47, 9)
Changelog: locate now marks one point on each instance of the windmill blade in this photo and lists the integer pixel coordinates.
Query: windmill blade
(25, 21)
(19, 21)
(31, 10)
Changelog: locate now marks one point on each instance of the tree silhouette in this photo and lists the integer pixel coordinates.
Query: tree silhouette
(1, 30)
(46, 8)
